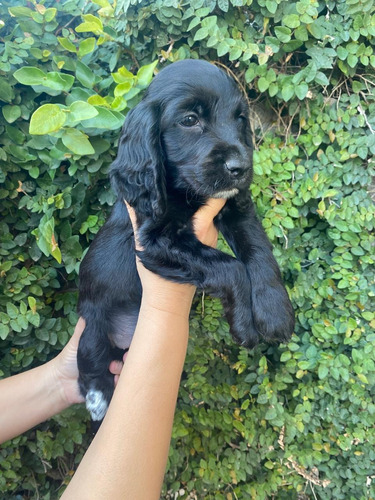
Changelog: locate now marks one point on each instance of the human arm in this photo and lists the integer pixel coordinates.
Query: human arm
(128, 455)
(36, 395)
(33, 396)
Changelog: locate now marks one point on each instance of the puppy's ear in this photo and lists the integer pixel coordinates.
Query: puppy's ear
(138, 173)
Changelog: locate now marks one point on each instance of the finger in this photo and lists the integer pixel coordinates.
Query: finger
(204, 228)
(80, 326)
(131, 212)
(133, 220)
(210, 210)
(115, 367)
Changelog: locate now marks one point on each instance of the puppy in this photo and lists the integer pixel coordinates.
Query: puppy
(189, 139)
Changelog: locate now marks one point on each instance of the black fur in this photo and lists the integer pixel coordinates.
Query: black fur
(188, 139)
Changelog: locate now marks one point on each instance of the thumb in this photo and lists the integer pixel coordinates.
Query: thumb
(210, 210)
(80, 326)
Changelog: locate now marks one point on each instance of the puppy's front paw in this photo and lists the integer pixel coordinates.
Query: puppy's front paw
(241, 321)
(243, 329)
(273, 313)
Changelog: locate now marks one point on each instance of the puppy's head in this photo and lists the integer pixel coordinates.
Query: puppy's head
(190, 133)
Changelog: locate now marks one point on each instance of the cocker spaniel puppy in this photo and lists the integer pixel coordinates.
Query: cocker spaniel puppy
(189, 139)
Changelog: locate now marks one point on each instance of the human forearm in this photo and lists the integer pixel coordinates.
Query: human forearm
(128, 455)
(29, 398)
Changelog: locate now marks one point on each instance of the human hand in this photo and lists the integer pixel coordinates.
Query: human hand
(65, 368)
(167, 295)
(203, 221)
(204, 227)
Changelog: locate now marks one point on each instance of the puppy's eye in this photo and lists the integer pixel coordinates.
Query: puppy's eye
(189, 120)
(242, 117)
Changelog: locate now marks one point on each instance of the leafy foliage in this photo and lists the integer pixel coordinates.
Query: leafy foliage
(277, 422)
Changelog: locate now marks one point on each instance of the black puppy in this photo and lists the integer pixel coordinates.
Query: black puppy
(189, 139)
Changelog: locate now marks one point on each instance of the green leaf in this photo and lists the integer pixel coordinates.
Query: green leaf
(263, 58)
(271, 6)
(123, 75)
(105, 119)
(45, 238)
(6, 91)
(287, 222)
(32, 302)
(291, 20)
(12, 310)
(29, 75)
(92, 24)
(85, 75)
(58, 81)
(50, 14)
(122, 88)
(34, 172)
(98, 100)
(263, 84)
(235, 54)
(283, 33)
(323, 371)
(11, 113)
(342, 52)
(352, 60)
(223, 5)
(67, 44)
(201, 34)
(20, 11)
(77, 141)
(317, 30)
(81, 110)
(285, 356)
(86, 46)
(4, 331)
(223, 48)
(46, 119)
(273, 89)
(209, 22)
(321, 78)
(271, 413)
(301, 33)
(145, 74)
(287, 92)
(363, 378)
(301, 90)
(102, 3)
(193, 23)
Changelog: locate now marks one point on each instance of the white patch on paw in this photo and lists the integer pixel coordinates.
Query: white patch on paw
(96, 404)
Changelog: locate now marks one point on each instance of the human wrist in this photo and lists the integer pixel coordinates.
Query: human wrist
(168, 297)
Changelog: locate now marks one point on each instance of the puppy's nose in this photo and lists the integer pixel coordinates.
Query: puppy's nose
(235, 167)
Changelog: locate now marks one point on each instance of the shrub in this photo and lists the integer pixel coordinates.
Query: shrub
(289, 421)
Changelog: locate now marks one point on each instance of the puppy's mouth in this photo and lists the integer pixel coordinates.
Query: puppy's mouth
(226, 193)
(220, 188)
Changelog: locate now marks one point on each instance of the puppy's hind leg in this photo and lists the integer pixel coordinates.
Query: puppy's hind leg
(94, 356)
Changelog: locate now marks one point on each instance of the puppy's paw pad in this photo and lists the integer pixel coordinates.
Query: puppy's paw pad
(96, 404)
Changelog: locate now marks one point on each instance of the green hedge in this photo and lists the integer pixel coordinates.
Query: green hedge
(289, 421)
